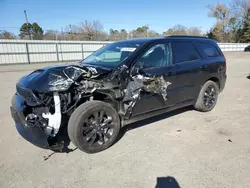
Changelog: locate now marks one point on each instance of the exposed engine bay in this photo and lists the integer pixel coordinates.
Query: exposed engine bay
(53, 93)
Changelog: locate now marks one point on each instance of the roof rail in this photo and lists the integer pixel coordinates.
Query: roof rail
(186, 36)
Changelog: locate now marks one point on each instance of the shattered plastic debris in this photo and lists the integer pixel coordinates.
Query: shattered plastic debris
(132, 93)
(149, 84)
(90, 86)
(92, 70)
(157, 85)
(74, 72)
(134, 87)
(54, 119)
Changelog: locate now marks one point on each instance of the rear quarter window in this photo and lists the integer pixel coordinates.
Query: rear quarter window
(184, 52)
(208, 49)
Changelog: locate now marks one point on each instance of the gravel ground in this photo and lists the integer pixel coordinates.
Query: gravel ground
(185, 149)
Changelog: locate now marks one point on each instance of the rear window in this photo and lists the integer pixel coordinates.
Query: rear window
(209, 49)
(184, 52)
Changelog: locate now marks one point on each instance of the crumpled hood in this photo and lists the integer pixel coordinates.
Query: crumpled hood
(39, 79)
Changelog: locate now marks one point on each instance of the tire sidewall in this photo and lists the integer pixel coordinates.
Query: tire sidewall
(77, 120)
(200, 101)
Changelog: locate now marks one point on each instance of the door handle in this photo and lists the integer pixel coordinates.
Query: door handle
(171, 74)
(203, 67)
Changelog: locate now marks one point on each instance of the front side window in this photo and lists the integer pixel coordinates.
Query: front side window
(157, 56)
(112, 55)
(184, 52)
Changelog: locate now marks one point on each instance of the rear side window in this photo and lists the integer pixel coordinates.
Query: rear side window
(208, 49)
(184, 51)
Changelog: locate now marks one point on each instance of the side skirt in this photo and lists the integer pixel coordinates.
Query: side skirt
(157, 112)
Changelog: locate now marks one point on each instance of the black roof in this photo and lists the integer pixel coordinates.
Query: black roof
(186, 36)
(145, 40)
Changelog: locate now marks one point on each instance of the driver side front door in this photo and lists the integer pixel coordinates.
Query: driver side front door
(155, 63)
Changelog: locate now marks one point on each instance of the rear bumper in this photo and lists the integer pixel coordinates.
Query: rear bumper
(223, 82)
(31, 133)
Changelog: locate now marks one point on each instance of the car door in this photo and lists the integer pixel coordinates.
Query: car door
(153, 66)
(187, 65)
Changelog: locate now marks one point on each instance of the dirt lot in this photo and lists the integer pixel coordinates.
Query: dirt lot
(188, 148)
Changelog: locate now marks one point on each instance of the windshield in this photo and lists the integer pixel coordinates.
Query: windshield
(112, 55)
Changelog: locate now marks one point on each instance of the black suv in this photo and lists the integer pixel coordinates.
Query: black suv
(120, 83)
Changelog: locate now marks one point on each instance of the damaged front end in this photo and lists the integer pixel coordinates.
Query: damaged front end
(45, 99)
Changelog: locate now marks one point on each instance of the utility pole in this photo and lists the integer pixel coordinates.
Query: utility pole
(27, 23)
(62, 38)
(70, 30)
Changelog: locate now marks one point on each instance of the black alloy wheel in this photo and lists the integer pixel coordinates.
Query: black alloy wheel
(97, 129)
(94, 126)
(210, 96)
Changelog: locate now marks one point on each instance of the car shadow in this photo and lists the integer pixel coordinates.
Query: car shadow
(248, 77)
(167, 182)
(148, 121)
(65, 141)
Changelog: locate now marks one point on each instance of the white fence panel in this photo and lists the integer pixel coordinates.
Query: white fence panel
(36, 51)
(233, 47)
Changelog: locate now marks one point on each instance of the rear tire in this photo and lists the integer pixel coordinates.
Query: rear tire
(208, 96)
(94, 126)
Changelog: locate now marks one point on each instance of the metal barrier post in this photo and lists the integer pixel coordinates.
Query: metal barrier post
(57, 55)
(27, 52)
(82, 50)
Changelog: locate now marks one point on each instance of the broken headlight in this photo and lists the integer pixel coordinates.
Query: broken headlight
(59, 80)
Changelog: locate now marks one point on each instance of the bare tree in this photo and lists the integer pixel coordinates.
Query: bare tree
(220, 11)
(240, 8)
(152, 33)
(6, 35)
(224, 18)
(176, 30)
(91, 29)
(218, 32)
(194, 31)
(51, 35)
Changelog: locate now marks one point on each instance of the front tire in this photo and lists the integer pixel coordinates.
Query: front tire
(94, 126)
(208, 96)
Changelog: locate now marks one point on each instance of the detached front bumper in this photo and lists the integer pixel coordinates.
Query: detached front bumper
(31, 133)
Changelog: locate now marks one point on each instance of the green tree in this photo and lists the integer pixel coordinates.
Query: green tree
(246, 28)
(117, 35)
(25, 30)
(37, 31)
(139, 30)
(34, 30)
